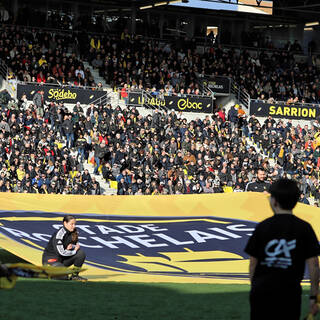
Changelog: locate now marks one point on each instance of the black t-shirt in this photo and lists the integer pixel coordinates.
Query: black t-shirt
(281, 244)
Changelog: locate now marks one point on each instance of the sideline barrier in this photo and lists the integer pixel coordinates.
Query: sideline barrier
(181, 238)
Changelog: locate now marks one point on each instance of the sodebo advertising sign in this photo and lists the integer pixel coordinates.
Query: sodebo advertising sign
(58, 94)
(61, 94)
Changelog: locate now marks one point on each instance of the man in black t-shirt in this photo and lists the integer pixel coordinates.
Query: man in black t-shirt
(260, 185)
(279, 248)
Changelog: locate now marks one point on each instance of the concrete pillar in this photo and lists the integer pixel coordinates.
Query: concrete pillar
(75, 11)
(161, 23)
(133, 20)
(193, 26)
(15, 6)
(47, 9)
(178, 26)
(219, 25)
(233, 32)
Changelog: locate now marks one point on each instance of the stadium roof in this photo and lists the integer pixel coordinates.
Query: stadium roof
(298, 9)
(290, 5)
(305, 9)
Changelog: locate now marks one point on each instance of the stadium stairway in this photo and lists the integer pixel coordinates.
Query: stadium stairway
(104, 185)
(95, 74)
(271, 161)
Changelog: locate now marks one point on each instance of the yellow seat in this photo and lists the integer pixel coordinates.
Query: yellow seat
(59, 144)
(113, 184)
(227, 189)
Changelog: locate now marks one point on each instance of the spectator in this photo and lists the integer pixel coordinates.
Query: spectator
(100, 151)
(159, 152)
(38, 101)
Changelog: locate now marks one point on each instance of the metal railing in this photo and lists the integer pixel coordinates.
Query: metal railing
(167, 37)
(9, 84)
(240, 94)
(105, 99)
(210, 93)
(178, 94)
(4, 70)
(60, 85)
(309, 105)
(205, 89)
(147, 96)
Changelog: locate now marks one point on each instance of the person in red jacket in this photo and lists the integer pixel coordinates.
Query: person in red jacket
(124, 93)
(222, 114)
(41, 78)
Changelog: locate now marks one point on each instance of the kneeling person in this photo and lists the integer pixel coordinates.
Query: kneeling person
(63, 249)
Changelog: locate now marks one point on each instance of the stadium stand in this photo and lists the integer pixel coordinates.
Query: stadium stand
(44, 57)
(160, 153)
(47, 147)
(267, 75)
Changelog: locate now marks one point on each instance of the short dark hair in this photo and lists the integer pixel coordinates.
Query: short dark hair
(261, 169)
(285, 192)
(68, 218)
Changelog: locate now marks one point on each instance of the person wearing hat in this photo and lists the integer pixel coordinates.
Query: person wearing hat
(77, 108)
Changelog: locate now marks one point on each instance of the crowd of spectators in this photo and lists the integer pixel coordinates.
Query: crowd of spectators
(294, 150)
(43, 147)
(43, 57)
(141, 63)
(178, 67)
(160, 153)
(33, 155)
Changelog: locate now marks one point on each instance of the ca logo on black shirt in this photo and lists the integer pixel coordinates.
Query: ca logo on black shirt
(278, 253)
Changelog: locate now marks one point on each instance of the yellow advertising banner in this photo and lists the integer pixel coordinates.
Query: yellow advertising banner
(180, 238)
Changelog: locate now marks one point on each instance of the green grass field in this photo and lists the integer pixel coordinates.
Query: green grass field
(46, 300)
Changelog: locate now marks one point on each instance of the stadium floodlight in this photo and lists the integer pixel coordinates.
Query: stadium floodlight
(161, 4)
(158, 4)
(310, 24)
(308, 29)
(145, 7)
